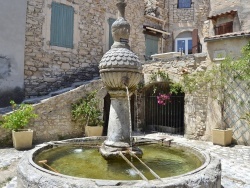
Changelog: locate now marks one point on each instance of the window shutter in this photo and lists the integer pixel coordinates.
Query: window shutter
(151, 45)
(229, 27)
(111, 40)
(184, 4)
(62, 24)
(224, 28)
(69, 25)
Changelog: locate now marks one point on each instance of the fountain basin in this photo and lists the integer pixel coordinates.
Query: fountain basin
(32, 175)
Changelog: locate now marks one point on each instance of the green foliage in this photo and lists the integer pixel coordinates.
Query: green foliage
(246, 117)
(176, 88)
(20, 117)
(213, 78)
(163, 75)
(140, 85)
(216, 78)
(86, 110)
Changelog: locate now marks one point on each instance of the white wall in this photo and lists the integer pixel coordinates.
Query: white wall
(12, 43)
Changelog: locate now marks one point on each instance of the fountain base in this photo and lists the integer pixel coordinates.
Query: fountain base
(110, 150)
(29, 174)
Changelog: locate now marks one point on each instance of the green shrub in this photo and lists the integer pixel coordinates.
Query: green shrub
(86, 110)
(19, 118)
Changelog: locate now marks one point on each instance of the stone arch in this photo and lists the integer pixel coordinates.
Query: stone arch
(180, 32)
(183, 43)
(167, 118)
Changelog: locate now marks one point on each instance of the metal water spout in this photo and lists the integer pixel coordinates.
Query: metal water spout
(119, 68)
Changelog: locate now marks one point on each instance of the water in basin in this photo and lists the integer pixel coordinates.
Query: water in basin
(86, 162)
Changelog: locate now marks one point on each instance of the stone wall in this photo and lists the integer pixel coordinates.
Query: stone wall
(185, 20)
(242, 18)
(54, 121)
(54, 115)
(48, 68)
(226, 47)
(198, 122)
(237, 105)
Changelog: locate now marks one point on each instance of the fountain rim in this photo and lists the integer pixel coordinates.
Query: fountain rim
(203, 156)
(120, 69)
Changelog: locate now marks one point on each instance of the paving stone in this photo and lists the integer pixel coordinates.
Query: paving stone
(235, 161)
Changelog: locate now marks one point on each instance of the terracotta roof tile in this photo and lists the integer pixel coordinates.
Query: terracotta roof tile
(228, 35)
(232, 12)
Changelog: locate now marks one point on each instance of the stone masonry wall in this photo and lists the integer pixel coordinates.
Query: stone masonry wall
(241, 6)
(196, 105)
(186, 19)
(49, 68)
(54, 116)
(54, 121)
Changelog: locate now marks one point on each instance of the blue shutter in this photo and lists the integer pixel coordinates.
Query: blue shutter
(62, 25)
(151, 45)
(184, 3)
(111, 40)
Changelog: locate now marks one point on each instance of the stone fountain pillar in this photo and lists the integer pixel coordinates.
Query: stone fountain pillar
(119, 68)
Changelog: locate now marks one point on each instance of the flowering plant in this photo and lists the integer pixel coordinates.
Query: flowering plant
(163, 98)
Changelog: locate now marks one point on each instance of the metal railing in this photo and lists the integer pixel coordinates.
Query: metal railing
(167, 118)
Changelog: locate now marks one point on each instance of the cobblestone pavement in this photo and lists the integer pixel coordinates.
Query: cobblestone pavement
(235, 163)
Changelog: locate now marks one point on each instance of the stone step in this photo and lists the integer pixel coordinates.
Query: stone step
(36, 100)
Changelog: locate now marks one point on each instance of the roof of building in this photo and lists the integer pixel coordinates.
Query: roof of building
(228, 35)
(215, 16)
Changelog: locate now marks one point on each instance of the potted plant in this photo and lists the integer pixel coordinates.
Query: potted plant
(86, 111)
(16, 121)
(216, 80)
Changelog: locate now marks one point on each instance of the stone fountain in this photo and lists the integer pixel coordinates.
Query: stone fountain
(120, 69)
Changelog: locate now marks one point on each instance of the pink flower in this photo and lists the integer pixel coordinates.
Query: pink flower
(163, 98)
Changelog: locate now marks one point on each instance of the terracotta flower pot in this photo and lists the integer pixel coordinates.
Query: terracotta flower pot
(222, 137)
(93, 130)
(22, 139)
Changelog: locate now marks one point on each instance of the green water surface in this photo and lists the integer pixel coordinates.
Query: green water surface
(88, 163)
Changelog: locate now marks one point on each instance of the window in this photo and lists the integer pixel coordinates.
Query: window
(62, 25)
(183, 45)
(223, 28)
(184, 4)
(111, 40)
(151, 45)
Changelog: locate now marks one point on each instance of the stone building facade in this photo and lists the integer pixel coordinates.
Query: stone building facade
(49, 67)
(187, 24)
(166, 25)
